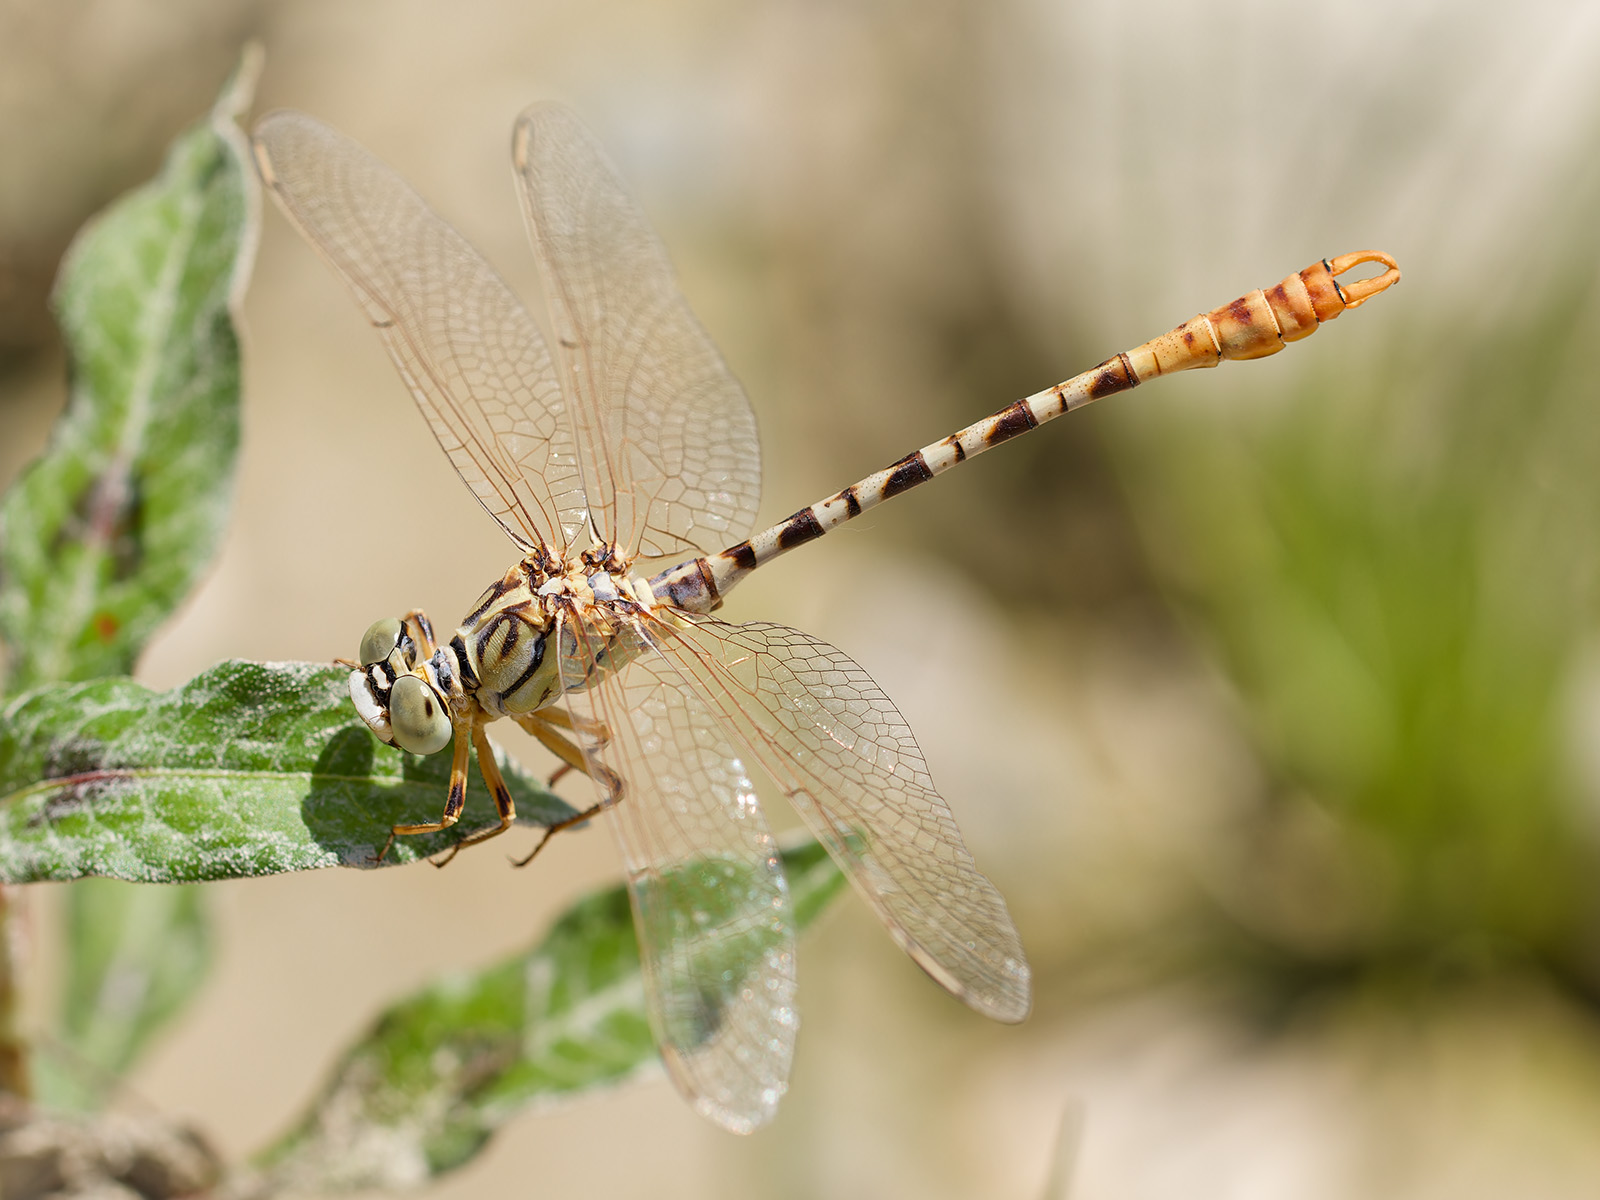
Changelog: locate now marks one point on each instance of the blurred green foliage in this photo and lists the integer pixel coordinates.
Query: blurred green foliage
(101, 539)
(1396, 566)
(138, 955)
(420, 1092)
(106, 533)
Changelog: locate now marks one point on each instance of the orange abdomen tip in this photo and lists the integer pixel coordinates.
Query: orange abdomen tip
(1266, 320)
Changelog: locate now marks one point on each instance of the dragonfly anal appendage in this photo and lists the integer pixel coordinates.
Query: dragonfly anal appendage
(1357, 293)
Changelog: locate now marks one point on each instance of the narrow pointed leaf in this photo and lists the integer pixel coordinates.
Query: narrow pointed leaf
(106, 534)
(247, 769)
(443, 1069)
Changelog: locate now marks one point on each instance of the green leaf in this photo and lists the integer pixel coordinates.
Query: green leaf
(247, 769)
(439, 1072)
(136, 954)
(103, 537)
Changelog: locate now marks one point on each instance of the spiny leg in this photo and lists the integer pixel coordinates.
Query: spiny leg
(452, 806)
(416, 623)
(572, 759)
(503, 802)
(613, 795)
(562, 719)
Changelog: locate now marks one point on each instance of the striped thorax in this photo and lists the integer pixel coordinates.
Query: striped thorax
(503, 642)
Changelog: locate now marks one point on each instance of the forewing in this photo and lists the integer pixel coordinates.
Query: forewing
(836, 745)
(666, 439)
(716, 930)
(467, 349)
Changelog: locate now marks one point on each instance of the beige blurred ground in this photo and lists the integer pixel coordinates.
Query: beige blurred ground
(894, 217)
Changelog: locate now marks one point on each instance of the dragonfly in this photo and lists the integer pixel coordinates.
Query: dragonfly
(612, 438)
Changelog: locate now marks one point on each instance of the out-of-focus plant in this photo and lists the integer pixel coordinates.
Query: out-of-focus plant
(248, 769)
(1400, 572)
(105, 534)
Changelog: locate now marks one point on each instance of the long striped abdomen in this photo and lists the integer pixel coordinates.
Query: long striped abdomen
(1253, 326)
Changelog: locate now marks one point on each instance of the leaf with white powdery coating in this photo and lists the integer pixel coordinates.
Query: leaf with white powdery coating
(106, 534)
(247, 769)
(441, 1071)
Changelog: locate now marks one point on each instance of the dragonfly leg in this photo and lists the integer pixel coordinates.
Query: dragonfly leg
(546, 730)
(562, 719)
(595, 731)
(540, 726)
(575, 819)
(452, 806)
(416, 623)
(503, 802)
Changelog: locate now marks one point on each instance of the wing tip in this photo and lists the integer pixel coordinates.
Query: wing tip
(1008, 1004)
(521, 136)
(740, 1121)
(1010, 1007)
(993, 982)
(743, 1111)
(271, 133)
(263, 161)
(522, 131)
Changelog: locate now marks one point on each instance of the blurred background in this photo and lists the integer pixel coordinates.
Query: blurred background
(1269, 696)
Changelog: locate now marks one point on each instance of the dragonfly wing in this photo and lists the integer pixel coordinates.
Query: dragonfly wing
(710, 903)
(670, 459)
(467, 349)
(847, 760)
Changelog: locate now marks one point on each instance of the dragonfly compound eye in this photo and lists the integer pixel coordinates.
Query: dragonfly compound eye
(379, 641)
(372, 701)
(418, 715)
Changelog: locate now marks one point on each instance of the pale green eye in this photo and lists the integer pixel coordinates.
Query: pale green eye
(418, 717)
(379, 641)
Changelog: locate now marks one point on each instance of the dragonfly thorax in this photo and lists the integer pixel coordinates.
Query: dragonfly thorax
(507, 643)
(412, 693)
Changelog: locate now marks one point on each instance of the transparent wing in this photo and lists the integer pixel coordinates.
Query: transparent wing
(467, 349)
(827, 734)
(716, 931)
(667, 442)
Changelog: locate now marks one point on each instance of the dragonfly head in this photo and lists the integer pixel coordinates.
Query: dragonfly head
(397, 696)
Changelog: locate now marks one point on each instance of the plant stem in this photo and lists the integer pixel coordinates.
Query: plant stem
(13, 1048)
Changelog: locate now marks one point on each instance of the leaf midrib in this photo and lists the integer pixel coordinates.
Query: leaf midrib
(240, 773)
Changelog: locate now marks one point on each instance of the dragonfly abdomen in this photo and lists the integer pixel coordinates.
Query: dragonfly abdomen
(1255, 325)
